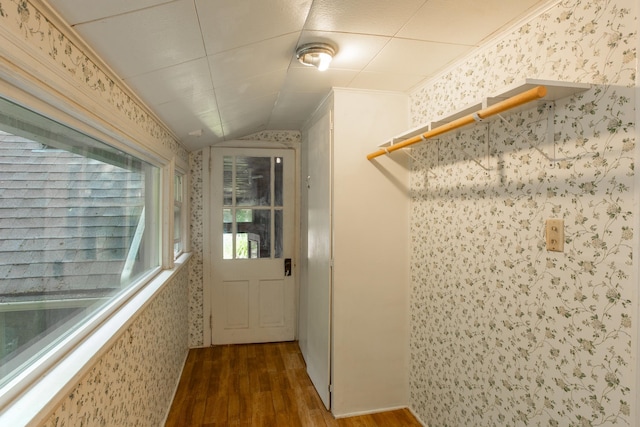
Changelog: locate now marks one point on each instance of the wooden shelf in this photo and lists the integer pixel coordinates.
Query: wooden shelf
(555, 90)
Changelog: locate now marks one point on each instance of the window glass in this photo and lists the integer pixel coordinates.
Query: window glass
(253, 239)
(227, 178)
(252, 212)
(178, 226)
(278, 233)
(253, 181)
(227, 234)
(278, 187)
(78, 225)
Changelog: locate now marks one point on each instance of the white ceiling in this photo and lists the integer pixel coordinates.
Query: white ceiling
(228, 67)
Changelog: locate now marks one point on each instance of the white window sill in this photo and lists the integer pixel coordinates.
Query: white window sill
(39, 393)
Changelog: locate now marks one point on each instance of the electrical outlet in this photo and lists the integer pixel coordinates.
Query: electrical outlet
(555, 235)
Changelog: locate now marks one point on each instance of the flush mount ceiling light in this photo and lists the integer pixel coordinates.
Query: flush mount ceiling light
(317, 55)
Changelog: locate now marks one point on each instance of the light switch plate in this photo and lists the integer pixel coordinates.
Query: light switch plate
(555, 235)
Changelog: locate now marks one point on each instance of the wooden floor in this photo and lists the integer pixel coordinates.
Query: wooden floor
(258, 385)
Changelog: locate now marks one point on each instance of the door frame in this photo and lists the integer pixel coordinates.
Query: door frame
(207, 186)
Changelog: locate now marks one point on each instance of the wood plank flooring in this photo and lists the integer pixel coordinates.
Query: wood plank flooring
(258, 385)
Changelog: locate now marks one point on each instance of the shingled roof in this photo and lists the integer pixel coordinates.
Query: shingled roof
(66, 222)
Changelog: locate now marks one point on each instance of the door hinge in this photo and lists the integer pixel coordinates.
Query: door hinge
(211, 321)
(210, 160)
(330, 388)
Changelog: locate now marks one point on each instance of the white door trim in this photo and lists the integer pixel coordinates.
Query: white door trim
(207, 185)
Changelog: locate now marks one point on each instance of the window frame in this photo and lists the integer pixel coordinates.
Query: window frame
(57, 370)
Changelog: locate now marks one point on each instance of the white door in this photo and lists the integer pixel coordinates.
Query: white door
(252, 231)
(320, 254)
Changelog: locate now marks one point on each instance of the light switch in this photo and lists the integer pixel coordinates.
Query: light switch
(555, 235)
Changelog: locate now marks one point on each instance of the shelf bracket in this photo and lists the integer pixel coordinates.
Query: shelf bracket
(415, 159)
(472, 158)
(550, 107)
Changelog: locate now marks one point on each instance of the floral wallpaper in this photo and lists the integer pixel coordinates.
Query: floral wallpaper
(504, 332)
(287, 137)
(25, 21)
(134, 382)
(196, 303)
(196, 311)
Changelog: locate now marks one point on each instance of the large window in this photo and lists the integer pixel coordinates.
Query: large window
(78, 227)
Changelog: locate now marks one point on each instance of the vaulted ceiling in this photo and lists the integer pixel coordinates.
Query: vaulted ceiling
(215, 70)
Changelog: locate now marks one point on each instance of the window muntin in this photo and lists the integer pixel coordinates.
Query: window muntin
(79, 224)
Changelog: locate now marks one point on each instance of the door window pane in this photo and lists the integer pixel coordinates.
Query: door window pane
(227, 179)
(246, 243)
(278, 184)
(244, 215)
(227, 234)
(253, 181)
(278, 232)
(254, 236)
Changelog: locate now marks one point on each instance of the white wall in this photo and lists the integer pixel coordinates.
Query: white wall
(371, 258)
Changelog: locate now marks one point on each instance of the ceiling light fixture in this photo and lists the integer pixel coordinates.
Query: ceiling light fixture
(317, 55)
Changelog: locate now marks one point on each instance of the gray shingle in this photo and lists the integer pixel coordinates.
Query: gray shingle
(65, 222)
